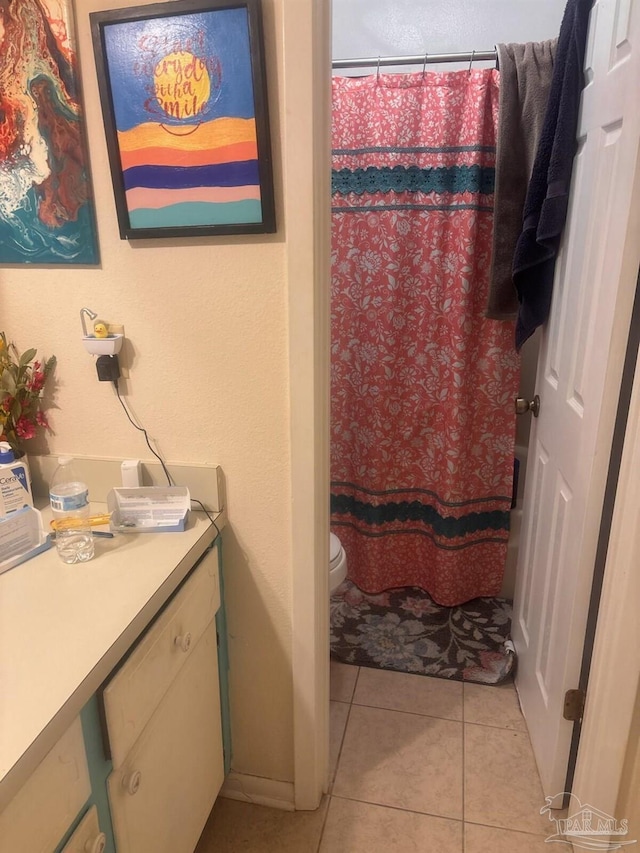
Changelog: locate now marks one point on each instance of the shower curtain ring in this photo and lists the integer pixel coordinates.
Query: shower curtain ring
(473, 53)
(424, 65)
(378, 68)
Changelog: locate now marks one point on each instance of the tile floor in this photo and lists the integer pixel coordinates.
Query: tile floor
(418, 765)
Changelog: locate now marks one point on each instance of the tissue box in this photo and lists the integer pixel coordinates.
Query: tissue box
(21, 537)
(149, 509)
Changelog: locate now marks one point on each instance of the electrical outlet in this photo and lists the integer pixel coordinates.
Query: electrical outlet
(115, 329)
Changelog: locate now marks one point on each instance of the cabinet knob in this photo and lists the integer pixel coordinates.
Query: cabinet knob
(183, 641)
(131, 782)
(97, 844)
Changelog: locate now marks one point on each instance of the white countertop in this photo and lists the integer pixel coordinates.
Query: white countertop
(64, 627)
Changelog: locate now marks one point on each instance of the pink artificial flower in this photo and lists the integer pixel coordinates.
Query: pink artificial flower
(41, 420)
(36, 382)
(25, 429)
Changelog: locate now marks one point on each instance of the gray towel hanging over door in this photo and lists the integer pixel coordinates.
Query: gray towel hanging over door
(545, 208)
(525, 79)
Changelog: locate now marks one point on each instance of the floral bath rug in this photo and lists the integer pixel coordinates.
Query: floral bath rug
(405, 630)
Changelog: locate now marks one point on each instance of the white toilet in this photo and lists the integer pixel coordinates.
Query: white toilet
(337, 563)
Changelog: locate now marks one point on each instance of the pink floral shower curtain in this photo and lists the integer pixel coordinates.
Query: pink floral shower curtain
(423, 384)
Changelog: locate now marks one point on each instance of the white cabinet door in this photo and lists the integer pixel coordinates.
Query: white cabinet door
(162, 794)
(45, 807)
(136, 690)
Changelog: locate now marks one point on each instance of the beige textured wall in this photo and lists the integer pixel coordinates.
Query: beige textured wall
(206, 323)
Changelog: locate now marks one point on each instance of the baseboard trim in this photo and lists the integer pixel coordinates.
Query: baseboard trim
(258, 790)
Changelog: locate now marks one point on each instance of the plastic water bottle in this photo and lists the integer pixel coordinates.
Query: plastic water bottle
(69, 499)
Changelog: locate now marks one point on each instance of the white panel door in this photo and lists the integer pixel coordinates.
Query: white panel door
(578, 382)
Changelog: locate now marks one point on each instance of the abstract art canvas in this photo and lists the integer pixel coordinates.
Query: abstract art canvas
(46, 209)
(183, 95)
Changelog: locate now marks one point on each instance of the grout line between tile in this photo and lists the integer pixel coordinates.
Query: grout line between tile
(509, 829)
(344, 734)
(335, 772)
(396, 808)
(463, 695)
(410, 713)
(524, 731)
(464, 774)
(324, 823)
(355, 685)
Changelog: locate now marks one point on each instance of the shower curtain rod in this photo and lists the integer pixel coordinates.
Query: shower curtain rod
(423, 59)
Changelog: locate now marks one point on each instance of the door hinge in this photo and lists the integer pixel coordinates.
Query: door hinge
(574, 705)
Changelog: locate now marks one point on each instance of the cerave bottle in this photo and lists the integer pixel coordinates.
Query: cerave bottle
(69, 498)
(15, 485)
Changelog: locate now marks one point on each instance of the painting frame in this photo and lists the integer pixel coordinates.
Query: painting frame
(47, 209)
(191, 170)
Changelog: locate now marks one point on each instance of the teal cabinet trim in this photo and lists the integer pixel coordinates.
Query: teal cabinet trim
(74, 826)
(99, 767)
(223, 667)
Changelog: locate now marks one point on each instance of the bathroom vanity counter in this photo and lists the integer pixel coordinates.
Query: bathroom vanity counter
(63, 628)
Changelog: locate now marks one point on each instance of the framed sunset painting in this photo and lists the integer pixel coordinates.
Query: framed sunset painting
(183, 93)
